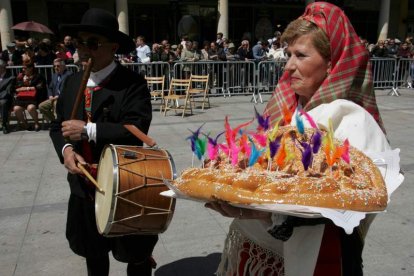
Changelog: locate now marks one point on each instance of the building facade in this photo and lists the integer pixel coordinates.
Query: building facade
(201, 20)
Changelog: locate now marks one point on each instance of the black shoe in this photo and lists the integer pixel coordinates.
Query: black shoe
(6, 130)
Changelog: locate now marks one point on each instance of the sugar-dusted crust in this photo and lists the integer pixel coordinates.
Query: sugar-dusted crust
(356, 186)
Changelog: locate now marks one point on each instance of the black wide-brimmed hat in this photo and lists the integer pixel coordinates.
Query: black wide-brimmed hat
(101, 22)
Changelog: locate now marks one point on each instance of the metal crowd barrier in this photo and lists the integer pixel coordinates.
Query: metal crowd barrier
(268, 75)
(383, 72)
(403, 76)
(230, 78)
(152, 69)
(226, 77)
(44, 70)
(393, 74)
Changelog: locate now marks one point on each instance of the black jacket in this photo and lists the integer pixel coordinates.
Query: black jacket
(7, 87)
(124, 99)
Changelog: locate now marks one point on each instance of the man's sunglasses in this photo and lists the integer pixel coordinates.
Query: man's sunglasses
(91, 44)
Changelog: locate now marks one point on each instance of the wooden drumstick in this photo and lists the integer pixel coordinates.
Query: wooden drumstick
(90, 177)
(141, 135)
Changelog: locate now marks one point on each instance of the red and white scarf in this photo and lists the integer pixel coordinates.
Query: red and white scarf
(351, 74)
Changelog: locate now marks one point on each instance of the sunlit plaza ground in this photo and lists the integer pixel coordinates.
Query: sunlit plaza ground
(34, 194)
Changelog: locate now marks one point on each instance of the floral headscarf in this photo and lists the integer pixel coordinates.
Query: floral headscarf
(350, 77)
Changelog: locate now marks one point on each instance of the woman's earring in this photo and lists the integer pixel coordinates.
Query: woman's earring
(329, 69)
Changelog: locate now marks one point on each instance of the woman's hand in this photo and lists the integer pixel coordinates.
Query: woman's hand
(73, 129)
(71, 158)
(24, 88)
(230, 211)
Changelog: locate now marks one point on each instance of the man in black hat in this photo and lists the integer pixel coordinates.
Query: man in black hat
(115, 96)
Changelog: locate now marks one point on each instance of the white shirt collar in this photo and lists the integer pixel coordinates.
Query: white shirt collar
(97, 77)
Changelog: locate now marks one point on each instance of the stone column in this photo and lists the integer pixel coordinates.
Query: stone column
(402, 20)
(122, 15)
(223, 18)
(383, 20)
(6, 22)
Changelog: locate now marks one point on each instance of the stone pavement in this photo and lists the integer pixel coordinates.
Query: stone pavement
(34, 193)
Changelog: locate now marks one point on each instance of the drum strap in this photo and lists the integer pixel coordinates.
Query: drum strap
(86, 146)
(89, 91)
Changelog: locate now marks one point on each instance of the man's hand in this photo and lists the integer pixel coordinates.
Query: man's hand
(70, 160)
(73, 129)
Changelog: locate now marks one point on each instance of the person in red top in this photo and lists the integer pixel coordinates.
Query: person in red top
(29, 79)
(62, 53)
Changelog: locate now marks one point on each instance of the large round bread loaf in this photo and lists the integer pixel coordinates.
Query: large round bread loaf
(355, 186)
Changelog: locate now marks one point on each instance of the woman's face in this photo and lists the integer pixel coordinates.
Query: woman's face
(306, 67)
(28, 70)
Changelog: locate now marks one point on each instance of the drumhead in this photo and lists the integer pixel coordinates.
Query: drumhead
(108, 181)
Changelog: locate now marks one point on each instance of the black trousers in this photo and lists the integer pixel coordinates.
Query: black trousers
(352, 246)
(85, 240)
(5, 105)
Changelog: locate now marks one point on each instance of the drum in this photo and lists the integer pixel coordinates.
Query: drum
(131, 178)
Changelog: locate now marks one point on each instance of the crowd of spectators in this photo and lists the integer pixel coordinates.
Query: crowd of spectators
(223, 49)
(42, 52)
(32, 52)
(27, 55)
(392, 48)
(219, 49)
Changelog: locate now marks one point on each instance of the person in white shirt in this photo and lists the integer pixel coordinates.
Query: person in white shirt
(143, 50)
(277, 52)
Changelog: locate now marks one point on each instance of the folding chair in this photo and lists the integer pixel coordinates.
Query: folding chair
(156, 87)
(178, 92)
(199, 87)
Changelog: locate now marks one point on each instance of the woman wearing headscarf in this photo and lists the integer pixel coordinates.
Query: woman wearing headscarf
(328, 74)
